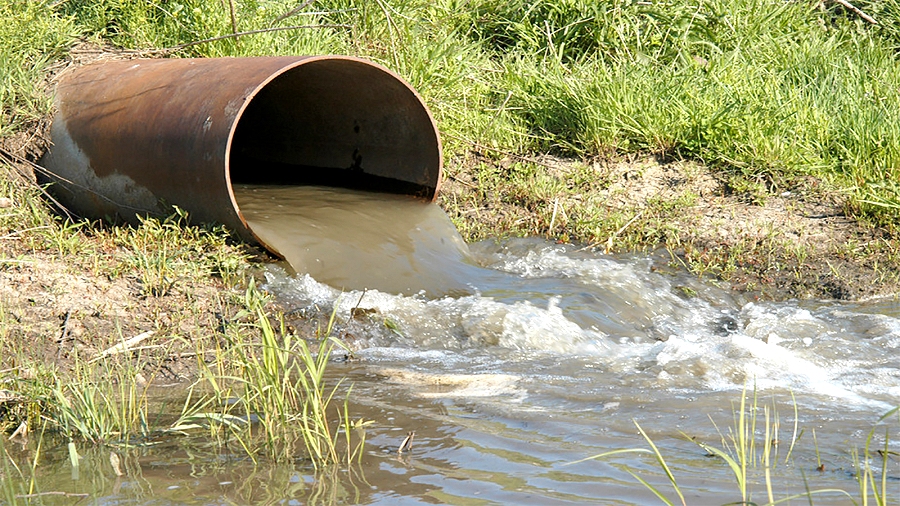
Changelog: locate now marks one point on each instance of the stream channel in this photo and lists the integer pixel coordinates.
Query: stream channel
(512, 361)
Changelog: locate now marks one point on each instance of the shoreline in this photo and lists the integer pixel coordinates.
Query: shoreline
(797, 243)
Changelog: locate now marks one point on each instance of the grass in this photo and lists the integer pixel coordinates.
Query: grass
(111, 408)
(749, 448)
(33, 36)
(280, 382)
(763, 92)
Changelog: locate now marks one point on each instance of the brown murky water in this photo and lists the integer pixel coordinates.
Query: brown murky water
(521, 358)
(356, 240)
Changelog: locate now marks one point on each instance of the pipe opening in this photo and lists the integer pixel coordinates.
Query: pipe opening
(337, 122)
(135, 137)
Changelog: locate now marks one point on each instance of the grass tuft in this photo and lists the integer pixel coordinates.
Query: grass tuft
(273, 394)
(749, 450)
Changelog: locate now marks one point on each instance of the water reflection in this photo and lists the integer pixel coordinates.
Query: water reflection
(174, 472)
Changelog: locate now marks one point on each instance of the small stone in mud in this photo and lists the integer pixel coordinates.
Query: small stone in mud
(359, 312)
(5, 202)
(726, 325)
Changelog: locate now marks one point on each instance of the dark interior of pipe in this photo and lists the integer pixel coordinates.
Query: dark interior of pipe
(337, 123)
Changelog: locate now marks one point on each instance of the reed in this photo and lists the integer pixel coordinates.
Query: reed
(872, 486)
(274, 395)
(105, 406)
(749, 448)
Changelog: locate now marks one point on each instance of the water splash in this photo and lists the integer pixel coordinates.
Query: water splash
(525, 302)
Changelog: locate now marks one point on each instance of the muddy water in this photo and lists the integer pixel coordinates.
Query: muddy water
(356, 240)
(549, 354)
(531, 356)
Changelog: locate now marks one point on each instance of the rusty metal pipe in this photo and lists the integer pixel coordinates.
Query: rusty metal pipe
(134, 137)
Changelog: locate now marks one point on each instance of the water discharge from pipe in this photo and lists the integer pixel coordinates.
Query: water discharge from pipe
(136, 137)
(355, 240)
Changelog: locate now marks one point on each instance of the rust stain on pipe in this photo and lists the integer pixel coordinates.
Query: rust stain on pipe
(134, 137)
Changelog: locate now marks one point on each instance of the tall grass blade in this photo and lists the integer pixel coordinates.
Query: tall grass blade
(662, 462)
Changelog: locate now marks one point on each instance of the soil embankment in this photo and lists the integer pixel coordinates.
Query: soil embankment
(796, 242)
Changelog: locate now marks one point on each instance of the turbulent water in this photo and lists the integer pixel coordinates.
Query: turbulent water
(641, 328)
(513, 361)
(557, 352)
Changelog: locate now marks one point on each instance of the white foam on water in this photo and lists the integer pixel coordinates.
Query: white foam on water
(827, 351)
(466, 386)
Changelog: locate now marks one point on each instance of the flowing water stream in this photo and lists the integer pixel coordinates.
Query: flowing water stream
(512, 361)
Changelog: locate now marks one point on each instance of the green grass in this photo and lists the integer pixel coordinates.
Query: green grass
(279, 381)
(750, 446)
(33, 36)
(762, 91)
(164, 253)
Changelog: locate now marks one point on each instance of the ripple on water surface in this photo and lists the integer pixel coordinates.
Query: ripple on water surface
(499, 343)
(635, 327)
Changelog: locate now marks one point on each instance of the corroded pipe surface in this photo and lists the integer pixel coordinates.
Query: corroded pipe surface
(135, 137)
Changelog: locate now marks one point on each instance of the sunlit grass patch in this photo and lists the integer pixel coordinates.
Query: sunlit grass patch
(759, 452)
(32, 36)
(274, 395)
(161, 253)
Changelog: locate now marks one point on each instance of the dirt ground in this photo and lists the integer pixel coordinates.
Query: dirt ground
(797, 243)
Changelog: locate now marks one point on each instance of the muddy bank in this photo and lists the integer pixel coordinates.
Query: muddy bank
(797, 241)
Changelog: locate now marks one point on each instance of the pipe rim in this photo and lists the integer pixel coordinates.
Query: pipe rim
(299, 63)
